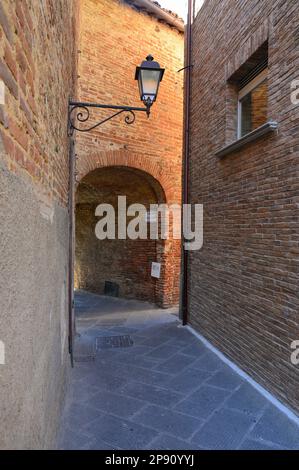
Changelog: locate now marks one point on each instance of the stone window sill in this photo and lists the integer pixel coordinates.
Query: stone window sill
(270, 126)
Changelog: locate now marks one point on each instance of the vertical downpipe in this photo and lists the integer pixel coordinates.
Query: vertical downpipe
(188, 57)
(71, 248)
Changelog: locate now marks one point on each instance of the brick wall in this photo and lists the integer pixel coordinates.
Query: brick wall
(114, 38)
(38, 68)
(243, 289)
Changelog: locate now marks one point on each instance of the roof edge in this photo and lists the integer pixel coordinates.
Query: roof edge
(159, 12)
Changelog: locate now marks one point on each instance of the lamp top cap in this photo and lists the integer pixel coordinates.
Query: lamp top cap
(150, 63)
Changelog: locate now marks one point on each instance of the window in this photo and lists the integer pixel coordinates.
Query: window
(253, 103)
(248, 116)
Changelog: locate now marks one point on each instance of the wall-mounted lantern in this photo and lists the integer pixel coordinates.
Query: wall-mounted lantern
(149, 75)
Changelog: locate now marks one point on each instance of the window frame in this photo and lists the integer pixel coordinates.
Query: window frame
(254, 83)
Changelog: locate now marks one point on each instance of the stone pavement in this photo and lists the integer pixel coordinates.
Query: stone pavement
(166, 391)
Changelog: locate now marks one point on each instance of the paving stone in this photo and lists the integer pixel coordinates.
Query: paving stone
(156, 340)
(136, 350)
(226, 379)
(137, 373)
(121, 433)
(82, 391)
(168, 421)
(111, 321)
(109, 354)
(166, 442)
(123, 330)
(195, 349)
(160, 386)
(80, 414)
(151, 394)
(115, 404)
(224, 430)
(105, 380)
(98, 444)
(274, 426)
(138, 339)
(209, 362)
(162, 352)
(84, 345)
(82, 370)
(96, 332)
(247, 399)
(203, 402)
(181, 343)
(175, 364)
(250, 444)
(139, 361)
(175, 330)
(151, 328)
(187, 381)
(73, 440)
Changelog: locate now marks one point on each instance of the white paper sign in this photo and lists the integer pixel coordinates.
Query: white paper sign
(2, 353)
(2, 92)
(156, 270)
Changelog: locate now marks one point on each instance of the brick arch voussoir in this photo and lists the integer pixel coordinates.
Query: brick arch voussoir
(128, 159)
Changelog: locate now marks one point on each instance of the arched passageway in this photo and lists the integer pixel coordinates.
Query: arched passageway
(123, 265)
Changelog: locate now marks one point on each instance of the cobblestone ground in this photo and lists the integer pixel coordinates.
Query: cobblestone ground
(159, 387)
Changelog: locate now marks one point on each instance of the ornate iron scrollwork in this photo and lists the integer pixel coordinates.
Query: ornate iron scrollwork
(80, 113)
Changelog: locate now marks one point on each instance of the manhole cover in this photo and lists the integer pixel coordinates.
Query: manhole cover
(107, 342)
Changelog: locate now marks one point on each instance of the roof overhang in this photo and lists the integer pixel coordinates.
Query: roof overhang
(160, 13)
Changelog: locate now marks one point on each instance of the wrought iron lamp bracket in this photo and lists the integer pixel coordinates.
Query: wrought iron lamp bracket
(79, 113)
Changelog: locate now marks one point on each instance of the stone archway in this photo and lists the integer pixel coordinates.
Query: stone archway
(125, 263)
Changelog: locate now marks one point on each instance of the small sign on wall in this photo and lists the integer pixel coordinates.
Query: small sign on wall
(2, 92)
(156, 270)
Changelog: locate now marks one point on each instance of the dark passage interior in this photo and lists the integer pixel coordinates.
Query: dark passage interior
(123, 266)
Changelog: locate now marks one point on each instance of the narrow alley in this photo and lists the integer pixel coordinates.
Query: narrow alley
(142, 381)
(149, 244)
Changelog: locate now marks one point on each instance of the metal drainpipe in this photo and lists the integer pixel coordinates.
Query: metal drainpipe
(186, 154)
(72, 158)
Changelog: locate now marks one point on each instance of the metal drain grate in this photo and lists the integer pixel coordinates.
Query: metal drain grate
(108, 342)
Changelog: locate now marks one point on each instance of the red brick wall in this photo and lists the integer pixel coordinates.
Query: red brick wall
(114, 38)
(243, 289)
(38, 67)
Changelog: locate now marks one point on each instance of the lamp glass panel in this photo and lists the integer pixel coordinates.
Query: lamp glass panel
(150, 82)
